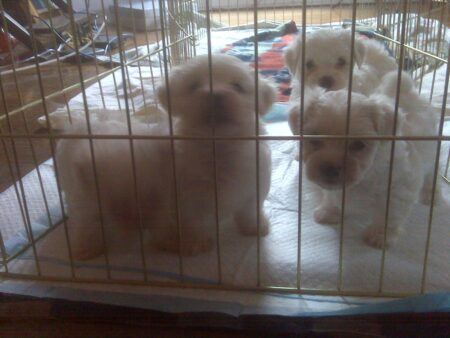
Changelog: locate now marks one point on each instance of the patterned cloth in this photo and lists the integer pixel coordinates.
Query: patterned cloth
(271, 45)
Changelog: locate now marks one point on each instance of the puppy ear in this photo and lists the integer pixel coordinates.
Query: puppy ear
(311, 98)
(382, 115)
(292, 56)
(360, 51)
(161, 94)
(267, 96)
(294, 119)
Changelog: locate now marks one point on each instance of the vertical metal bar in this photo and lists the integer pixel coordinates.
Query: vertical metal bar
(273, 12)
(265, 13)
(440, 37)
(147, 43)
(193, 30)
(229, 15)
(4, 261)
(132, 153)
(416, 39)
(58, 65)
(321, 14)
(126, 80)
(447, 167)
(155, 19)
(238, 13)
(311, 10)
(394, 133)
(108, 38)
(330, 10)
(86, 2)
(172, 34)
(347, 133)
(91, 142)
(256, 51)
(436, 168)
(220, 12)
(300, 149)
(248, 10)
(172, 141)
(133, 23)
(425, 47)
(214, 144)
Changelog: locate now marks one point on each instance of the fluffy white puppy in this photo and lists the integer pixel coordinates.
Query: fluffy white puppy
(91, 222)
(228, 112)
(327, 62)
(365, 171)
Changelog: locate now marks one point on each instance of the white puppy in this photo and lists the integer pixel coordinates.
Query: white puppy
(228, 112)
(327, 62)
(365, 171)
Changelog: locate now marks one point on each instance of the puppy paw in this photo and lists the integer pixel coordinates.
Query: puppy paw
(84, 253)
(330, 215)
(86, 242)
(190, 245)
(196, 246)
(426, 196)
(374, 236)
(252, 230)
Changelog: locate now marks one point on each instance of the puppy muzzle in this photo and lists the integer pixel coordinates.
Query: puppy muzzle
(331, 174)
(217, 109)
(327, 82)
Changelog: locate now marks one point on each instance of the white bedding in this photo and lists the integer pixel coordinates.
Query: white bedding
(278, 259)
(278, 251)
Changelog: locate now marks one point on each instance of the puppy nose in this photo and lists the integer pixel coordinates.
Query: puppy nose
(326, 82)
(218, 100)
(218, 112)
(331, 172)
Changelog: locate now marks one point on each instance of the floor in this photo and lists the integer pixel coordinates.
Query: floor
(23, 316)
(322, 14)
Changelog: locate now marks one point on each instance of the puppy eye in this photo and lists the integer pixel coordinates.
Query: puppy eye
(238, 87)
(315, 144)
(194, 86)
(356, 146)
(310, 64)
(340, 62)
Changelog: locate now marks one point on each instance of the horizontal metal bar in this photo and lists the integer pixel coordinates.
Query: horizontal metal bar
(411, 48)
(211, 286)
(236, 138)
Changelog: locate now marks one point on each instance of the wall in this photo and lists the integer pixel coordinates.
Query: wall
(94, 5)
(233, 4)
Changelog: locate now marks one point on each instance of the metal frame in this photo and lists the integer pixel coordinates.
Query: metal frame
(176, 42)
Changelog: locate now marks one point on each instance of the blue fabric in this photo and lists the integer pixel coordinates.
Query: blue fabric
(278, 113)
(437, 302)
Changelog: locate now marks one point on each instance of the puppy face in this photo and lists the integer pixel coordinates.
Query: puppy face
(229, 110)
(327, 58)
(324, 158)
